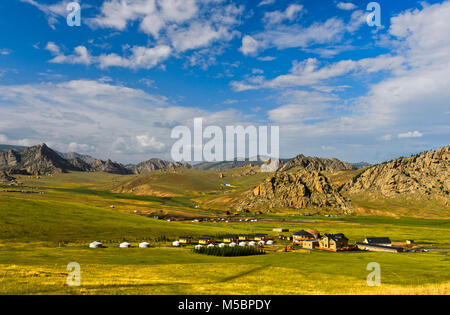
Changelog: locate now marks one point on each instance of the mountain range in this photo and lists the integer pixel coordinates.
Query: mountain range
(42, 160)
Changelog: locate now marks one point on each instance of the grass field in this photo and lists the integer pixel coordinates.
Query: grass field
(41, 233)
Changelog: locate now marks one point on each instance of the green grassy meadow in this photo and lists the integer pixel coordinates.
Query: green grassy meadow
(41, 233)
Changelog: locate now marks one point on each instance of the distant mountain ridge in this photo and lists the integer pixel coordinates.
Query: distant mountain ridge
(7, 147)
(41, 159)
(316, 164)
(155, 164)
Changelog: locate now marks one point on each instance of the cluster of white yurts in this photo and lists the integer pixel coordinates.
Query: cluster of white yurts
(122, 245)
(243, 244)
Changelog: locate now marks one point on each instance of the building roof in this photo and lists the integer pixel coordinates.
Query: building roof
(303, 233)
(185, 237)
(336, 237)
(378, 246)
(378, 240)
(259, 235)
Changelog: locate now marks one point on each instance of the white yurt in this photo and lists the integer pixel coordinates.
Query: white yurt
(232, 244)
(198, 246)
(261, 243)
(96, 245)
(144, 245)
(251, 243)
(269, 242)
(176, 244)
(211, 245)
(242, 244)
(125, 245)
(221, 245)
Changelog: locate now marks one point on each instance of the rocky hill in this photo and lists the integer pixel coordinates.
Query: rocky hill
(303, 189)
(34, 160)
(425, 174)
(316, 164)
(154, 165)
(5, 178)
(43, 160)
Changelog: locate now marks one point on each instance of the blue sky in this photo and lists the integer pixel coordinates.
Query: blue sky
(115, 86)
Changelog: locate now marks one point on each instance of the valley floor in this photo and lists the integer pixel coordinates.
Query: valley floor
(41, 233)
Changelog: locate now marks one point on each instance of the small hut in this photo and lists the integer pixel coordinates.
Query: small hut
(176, 244)
(144, 245)
(125, 245)
(232, 244)
(242, 244)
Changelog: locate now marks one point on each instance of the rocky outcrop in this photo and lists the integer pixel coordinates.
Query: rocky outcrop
(154, 165)
(35, 160)
(304, 189)
(316, 164)
(5, 178)
(270, 166)
(426, 174)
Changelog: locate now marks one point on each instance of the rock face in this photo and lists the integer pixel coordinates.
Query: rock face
(270, 166)
(423, 174)
(155, 164)
(316, 164)
(5, 178)
(304, 189)
(41, 160)
(34, 160)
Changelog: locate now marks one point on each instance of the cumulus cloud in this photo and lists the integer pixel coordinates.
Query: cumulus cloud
(101, 118)
(250, 46)
(291, 13)
(410, 134)
(413, 91)
(136, 57)
(150, 144)
(308, 72)
(80, 56)
(53, 12)
(186, 24)
(348, 6)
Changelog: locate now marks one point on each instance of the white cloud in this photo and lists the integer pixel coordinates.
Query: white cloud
(141, 57)
(80, 147)
(106, 120)
(198, 35)
(266, 2)
(308, 72)
(5, 51)
(387, 137)
(266, 58)
(185, 24)
(250, 46)
(291, 13)
(412, 93)
(348, 6)
(410, 134)
(55, 11)
(137, 57)
(80, 56)
(150, 144)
